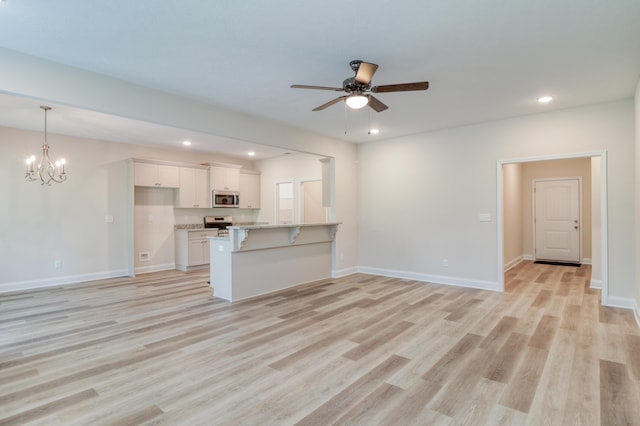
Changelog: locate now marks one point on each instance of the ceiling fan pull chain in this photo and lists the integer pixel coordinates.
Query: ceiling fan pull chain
(346, 121)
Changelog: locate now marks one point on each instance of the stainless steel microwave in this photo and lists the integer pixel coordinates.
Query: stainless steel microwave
(225, 198)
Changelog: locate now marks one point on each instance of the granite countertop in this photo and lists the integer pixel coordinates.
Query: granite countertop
(267, 226)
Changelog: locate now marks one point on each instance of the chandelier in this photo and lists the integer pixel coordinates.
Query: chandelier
(47, 171)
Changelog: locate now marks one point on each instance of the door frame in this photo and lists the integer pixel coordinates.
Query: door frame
(604, 230)
(533, 212)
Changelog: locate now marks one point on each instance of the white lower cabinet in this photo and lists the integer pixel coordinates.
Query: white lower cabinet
(192, 249)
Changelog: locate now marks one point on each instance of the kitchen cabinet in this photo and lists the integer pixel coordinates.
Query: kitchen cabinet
(157, 175)
(194, 188)
(225, 178)
(249, 189)
(192, 248)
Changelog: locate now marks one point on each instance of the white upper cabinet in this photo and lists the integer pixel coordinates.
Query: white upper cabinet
(225, 178)
(194, 188)
(249, 190)
(157, 175)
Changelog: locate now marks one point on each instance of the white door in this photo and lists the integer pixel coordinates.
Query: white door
(557, 220)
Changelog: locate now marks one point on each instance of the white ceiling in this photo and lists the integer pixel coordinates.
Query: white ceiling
(484, 59)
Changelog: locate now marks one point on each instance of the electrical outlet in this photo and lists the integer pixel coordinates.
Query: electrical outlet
(144, 256)
(445, 263)
(57, 264)
(108, 219)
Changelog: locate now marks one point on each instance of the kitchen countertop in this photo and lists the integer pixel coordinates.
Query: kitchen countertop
(291, 225)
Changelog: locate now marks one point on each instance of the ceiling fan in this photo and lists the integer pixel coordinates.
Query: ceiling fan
(359, 89)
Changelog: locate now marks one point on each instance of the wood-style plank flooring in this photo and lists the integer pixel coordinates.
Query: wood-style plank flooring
(159, 349)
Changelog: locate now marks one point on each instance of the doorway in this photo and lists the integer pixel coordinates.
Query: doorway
(284, 203)
(311, 208)
(557, 220)
(599, 227)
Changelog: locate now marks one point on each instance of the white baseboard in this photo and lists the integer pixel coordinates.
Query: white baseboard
(596, 284)
(344, 272)
(620, 302)
(435, 279)
(513, 263)
(586, 261)
(527, 257)
(155, 268)
(184, 268)
(69, 279)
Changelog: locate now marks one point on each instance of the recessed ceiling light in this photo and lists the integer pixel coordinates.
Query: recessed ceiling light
(251, 153)
(374, 131)
(186, 143)
(545, 99)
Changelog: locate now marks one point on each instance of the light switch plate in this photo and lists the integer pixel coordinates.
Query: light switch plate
(485, 217)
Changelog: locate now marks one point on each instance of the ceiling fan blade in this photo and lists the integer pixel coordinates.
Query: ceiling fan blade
(302, 86)
(421, 85)
(365, 73)
(376, 104)
(328, 104)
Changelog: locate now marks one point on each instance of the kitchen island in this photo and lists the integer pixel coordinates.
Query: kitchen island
(259, 259)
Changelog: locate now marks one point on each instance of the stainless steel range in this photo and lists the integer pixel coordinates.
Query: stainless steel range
(219, 222)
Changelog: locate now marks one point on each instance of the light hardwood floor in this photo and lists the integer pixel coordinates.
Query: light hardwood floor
(159, 349)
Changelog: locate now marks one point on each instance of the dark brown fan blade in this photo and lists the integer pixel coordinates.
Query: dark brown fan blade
(302, 86)
(328, 104)
(421, 85)
(365, 73)
(376, 104)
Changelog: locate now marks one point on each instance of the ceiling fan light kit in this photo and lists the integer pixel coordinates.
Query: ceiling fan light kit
(357, 101)
(359, 89)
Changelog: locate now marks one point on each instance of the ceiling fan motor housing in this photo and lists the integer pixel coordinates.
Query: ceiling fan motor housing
(349, 85)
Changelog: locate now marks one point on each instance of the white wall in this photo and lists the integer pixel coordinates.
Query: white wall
(512, 196)
(637, 198)
(596, 222)
(421, 195)
(66, 222)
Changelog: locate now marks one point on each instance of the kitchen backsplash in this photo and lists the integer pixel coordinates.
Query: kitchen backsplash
(196, 216)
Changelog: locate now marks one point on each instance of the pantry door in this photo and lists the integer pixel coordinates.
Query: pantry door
(557, 220)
